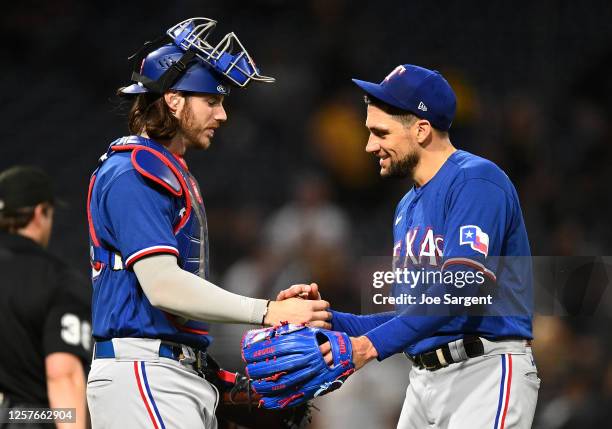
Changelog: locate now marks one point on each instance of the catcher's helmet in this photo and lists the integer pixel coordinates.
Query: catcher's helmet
(184, 60)
(197, 76)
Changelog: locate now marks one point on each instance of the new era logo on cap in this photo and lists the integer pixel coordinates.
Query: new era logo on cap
(422, 107)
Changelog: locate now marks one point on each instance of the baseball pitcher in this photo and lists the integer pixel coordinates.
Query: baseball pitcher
(461, 219)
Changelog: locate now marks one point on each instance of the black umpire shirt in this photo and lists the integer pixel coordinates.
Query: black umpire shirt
(44, 308)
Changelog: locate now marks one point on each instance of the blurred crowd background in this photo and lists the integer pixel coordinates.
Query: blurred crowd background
(291, 195)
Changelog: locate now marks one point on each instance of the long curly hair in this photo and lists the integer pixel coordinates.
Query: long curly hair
(150, 113)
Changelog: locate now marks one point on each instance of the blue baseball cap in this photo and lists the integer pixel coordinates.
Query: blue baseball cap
(420, 91)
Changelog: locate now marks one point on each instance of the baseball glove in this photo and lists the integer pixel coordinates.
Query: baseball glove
(286, 367)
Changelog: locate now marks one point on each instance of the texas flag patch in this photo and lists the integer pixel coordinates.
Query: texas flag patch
(475, 237)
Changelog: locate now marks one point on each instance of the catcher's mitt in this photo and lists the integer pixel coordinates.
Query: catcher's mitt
(287, 368)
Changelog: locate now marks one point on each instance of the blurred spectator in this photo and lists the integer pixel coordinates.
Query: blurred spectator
(310, 238)
(309, 219)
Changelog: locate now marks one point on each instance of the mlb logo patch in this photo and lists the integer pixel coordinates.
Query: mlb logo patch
(475, 237)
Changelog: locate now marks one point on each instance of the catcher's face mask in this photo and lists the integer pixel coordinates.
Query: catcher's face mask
(183, 59)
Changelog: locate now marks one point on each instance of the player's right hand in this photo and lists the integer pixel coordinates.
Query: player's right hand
(298, 311)
(305, 291)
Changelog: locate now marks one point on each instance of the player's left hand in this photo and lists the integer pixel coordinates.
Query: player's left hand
(305, 291)
(326, 351)
(363, 351)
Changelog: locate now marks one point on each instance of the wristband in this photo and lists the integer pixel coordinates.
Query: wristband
(265, 313)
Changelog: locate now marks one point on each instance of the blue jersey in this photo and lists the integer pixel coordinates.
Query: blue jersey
(466, 216)
(143, 201)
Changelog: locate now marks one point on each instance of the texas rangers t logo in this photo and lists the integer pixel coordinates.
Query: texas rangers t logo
(398, 70)
(475, 237)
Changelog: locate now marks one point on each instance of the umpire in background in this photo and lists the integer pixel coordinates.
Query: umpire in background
(45, 306)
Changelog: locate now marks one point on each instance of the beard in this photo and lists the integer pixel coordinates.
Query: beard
(404, 167)
(191, 132)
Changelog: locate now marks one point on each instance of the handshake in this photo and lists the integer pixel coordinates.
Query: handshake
(300, 304)
(299, 357)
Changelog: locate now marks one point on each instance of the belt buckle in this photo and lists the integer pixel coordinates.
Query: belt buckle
(429, 368)
(418, 359)
(435, 366)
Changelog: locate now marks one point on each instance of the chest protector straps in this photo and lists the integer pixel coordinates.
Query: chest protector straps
(154, 166)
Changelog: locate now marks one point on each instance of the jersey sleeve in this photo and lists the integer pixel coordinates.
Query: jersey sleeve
(357, 325)
(67, 325)
(477, 213)
(477, 218)
(140, 216)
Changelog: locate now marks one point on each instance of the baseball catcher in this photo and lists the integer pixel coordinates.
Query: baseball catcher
(152, 295)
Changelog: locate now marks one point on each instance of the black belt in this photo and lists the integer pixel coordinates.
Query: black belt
(441, 357)
(106, 350)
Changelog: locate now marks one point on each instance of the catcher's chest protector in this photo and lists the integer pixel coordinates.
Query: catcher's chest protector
(170, 172)
(162, 168)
